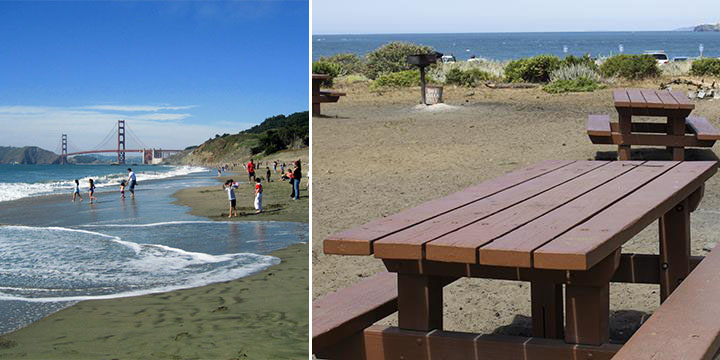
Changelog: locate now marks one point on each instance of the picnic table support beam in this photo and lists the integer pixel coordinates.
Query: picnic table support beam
(674, 247)
(547, 309)
(420, 302)
(676, 126)
(587, 303)
(625, 122)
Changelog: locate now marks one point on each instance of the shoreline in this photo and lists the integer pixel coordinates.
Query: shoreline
(263, 315)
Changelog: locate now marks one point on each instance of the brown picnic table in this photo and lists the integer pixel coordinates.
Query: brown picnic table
(322, 95)
(553, 224)
(679, 131)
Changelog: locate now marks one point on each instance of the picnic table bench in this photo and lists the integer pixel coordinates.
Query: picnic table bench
(678, 132)
(556, 224)
(322, 95)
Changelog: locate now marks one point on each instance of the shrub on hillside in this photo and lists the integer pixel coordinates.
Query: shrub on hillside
(346, 63)
(585, 60)
(536, 69)
(631, 67)
(705, 67)
(327, 68)
(579, 84)
(400, 79)
(390, 58)
(470, 77)
(576, 71)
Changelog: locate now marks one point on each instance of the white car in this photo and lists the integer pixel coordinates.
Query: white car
(659, 55)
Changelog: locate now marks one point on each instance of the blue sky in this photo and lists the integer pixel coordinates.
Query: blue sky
(448, 16)
(178, 72)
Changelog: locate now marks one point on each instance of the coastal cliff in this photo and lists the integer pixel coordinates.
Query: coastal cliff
(707, 27)
(27, 155)
(274, 134)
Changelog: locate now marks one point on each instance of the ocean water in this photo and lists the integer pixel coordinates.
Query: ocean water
(504, 46)
(54, 253)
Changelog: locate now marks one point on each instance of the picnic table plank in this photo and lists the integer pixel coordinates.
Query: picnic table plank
(651, 99)
(599, 125)
(682, 100)
(668, 100)
(408, 244)
(588, 243)
(515, 248)
(620, 97)
(702, 128)
(359, 240)
(637, 101)
(461, 245)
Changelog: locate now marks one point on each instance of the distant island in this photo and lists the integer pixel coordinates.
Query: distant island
(702, 28)
(27, 155)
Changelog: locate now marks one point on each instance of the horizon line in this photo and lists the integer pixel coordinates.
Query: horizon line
(507, 32)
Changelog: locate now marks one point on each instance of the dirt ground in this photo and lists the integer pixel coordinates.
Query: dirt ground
(376, 154)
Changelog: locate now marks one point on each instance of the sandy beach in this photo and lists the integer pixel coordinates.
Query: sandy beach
(261, 316)
(378, 153)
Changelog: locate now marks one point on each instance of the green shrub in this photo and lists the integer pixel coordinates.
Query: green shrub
(327, 68)
(705, 67)
(391, 58)
(630, 67)
(347, 63)
(572, 72)
(536, 69)
(470, 77)
(579, 84)
(398, 79)
(585, 60)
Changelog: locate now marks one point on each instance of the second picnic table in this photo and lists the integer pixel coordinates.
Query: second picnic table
(673, 105)
(322, 96)
(553, 224)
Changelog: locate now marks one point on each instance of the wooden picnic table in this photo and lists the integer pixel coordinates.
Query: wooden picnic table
(553, 224)
(672, 105)
(321, 95)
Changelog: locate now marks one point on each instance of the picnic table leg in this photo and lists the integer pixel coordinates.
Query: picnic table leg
(587, 303)
(674, 248)
(547, 309)
(420, 302)
(625, 122)
(676, 126)
(316, 109)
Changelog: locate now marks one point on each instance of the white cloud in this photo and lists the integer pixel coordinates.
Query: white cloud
(132, 108)
(86, 128)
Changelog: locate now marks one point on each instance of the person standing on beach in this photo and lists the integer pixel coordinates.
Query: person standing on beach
(77, 191)
(289, 176)
(230, 188)
(91, 191)
(297, 175)
(267, 173)
(275, 166)
(131, 181)
(282, 168)
(251, 171)
(258, 195)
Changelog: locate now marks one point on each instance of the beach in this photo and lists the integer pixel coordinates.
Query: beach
(262, 314)
(384, 153)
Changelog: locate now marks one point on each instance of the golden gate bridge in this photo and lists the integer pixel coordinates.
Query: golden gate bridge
(125, 136)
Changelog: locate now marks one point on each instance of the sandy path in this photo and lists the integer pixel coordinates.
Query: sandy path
(375, 155)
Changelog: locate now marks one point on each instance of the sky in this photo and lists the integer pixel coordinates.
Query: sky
(458, 16)
(177, 72)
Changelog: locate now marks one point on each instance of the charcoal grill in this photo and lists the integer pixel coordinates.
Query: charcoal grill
(422, 61)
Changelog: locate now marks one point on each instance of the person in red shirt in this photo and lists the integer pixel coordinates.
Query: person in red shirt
(258, 196)
(251, 171)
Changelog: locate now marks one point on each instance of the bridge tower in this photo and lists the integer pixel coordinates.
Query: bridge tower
(121, 141)
(63, 152)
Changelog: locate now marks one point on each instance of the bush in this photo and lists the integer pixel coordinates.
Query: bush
(470, 77)
(705, 67)
(573, 72)
(347, 63)
(390, 58)
(535, 69)
(327, 68)
(631, 67)
(398, 79)
(585, 60)
(579, 84)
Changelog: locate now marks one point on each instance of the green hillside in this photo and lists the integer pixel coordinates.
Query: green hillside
(27, 155)
(274, 134)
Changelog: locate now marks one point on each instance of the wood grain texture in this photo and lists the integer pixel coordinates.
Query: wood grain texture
(598, 125)
(702, 128)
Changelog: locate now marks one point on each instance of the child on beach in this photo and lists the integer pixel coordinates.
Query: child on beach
(258, 196)
(91, 192)
(230, 187)
(76, 193)
(122, 189)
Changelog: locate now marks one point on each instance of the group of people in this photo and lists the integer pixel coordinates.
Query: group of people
(130, 183)
(293, 175)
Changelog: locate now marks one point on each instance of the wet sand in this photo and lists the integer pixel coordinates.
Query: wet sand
(375, 154)
(263, 316)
